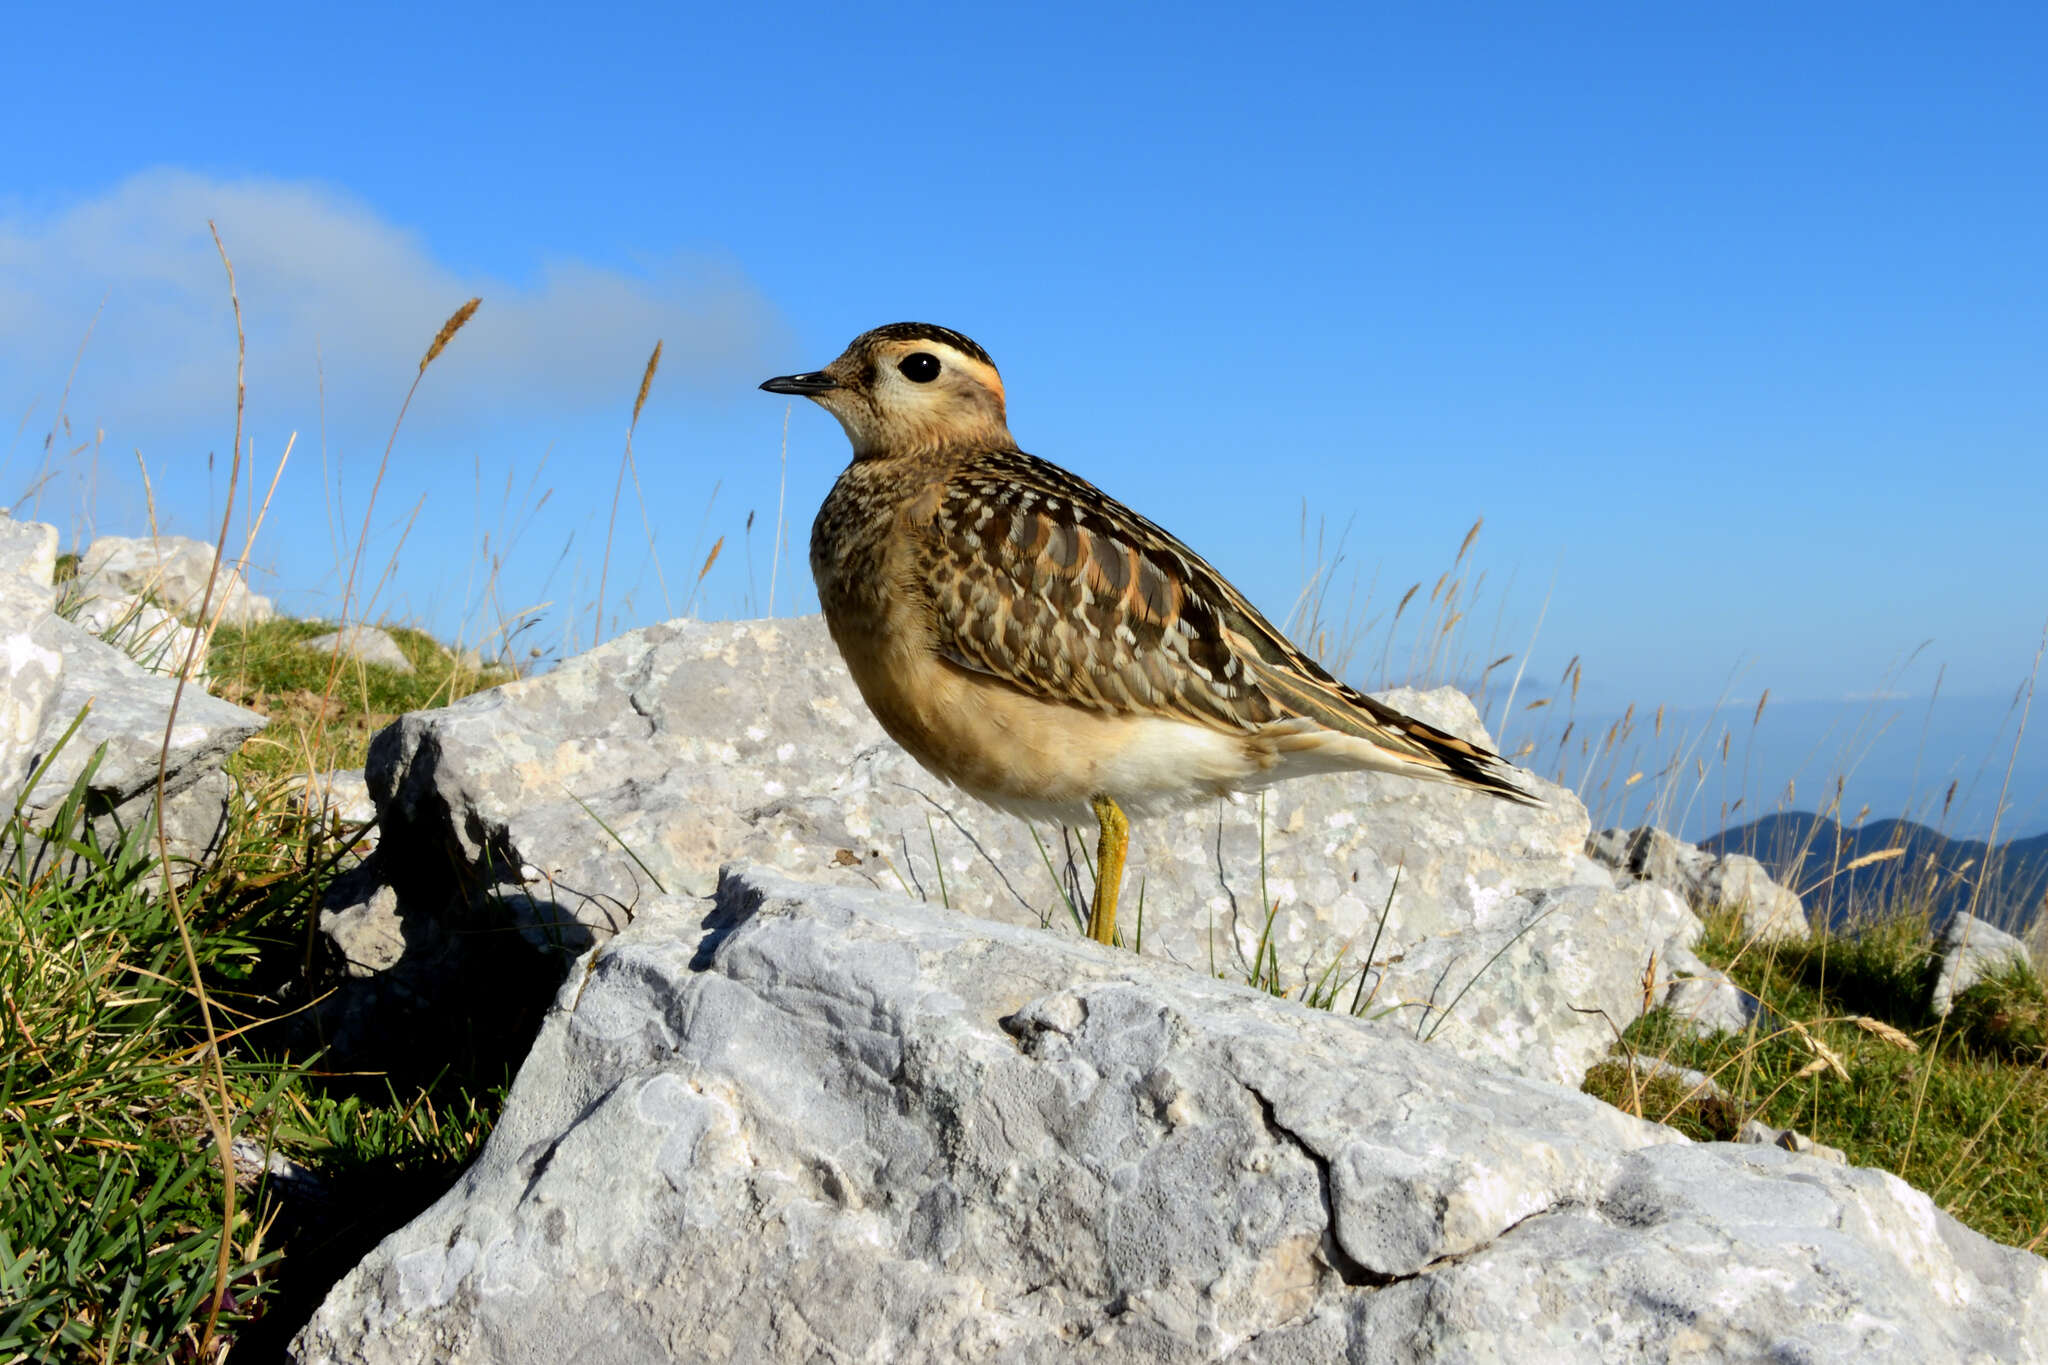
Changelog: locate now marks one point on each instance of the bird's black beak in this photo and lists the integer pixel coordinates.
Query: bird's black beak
(805, 385)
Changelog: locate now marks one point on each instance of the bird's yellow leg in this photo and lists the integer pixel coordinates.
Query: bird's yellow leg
(1109, 867)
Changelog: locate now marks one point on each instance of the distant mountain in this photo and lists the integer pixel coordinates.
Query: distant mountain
(1807, 852)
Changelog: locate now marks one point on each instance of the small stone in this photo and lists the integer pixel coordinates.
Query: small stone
(341, 792)
(367, 643)
(1758, 1133)
(1967, 951)
(1710, 1003)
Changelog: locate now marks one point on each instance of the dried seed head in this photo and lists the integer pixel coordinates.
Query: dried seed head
(1885, 1031)
(1883, 855)
(647, 379)
(1470, 536)
(448, 331)
(711, 558)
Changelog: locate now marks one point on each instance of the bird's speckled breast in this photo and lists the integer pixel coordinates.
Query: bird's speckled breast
(876, 605)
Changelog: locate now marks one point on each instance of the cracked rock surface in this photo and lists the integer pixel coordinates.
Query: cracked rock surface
(566, 801)
(812, 1123)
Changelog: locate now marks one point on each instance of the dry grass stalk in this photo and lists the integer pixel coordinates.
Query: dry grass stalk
(455, 323)
(618, 486)
(448, 330)
(218, 1112)
(241, 565)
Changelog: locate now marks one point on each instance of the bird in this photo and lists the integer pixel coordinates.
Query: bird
(1044, 648)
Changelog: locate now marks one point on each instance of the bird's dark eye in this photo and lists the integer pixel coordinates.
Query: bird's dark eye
(920, 368)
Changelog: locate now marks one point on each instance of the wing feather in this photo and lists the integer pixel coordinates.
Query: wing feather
(1040, 579)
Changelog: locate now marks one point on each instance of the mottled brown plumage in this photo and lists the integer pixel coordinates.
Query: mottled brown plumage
(1033, 640)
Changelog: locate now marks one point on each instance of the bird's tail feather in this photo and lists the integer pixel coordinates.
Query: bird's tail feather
(1372, 735)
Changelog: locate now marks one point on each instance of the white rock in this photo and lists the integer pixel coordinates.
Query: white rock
(1968, 950)
(1710, 1002)
(648, 761)
(119, 704)
(145, 632)
(1648, 854)
(339, 792)
(829, 1124)
(28, 550)
(367, 643)
(174, 570)
(30, 672)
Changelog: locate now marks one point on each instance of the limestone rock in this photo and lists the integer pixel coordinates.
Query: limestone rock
(1710, 1002)
(174, 570)
(341, 792)
(30, 671)
(127, 713)
(827, 1124)
(28, 551)
(1769, 910)
(367, 643)
(562, 802)
(1967, 951)
(1648, 854)
(365, 929)
(145, 632)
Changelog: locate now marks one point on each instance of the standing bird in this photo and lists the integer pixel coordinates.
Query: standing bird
(1046, 649)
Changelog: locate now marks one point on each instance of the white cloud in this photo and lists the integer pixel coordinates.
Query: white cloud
(318, 270)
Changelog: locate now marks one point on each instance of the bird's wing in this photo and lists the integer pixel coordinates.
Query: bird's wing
(1039, 578)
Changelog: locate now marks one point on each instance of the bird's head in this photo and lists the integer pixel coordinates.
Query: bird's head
(908, 388)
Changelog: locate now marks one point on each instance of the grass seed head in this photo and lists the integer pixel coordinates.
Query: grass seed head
(448, 330)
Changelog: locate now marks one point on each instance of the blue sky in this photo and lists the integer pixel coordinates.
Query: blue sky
(1731, 324)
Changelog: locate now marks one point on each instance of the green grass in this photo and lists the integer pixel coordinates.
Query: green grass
(321, 713)
(1958, 1108)
(109, 1205)
(111, 1196)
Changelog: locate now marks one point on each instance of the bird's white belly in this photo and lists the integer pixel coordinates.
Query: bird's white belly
(1056, 758)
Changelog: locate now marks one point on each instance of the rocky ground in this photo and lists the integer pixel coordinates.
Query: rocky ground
(829, 1074)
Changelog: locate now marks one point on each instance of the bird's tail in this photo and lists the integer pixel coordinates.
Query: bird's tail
(1339, 727)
